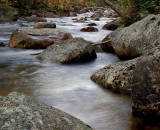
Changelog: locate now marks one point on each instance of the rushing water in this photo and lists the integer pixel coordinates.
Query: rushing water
(68, 87)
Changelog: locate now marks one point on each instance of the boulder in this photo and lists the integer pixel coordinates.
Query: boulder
(131, 42)
(37, 38)
(146, 85)
(89, 29)
(44, 25)
(110, 26)
(117, 76)
(34, 18)
(19, 111)
(68, 51)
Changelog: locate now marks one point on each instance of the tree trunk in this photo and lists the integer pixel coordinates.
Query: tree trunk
(114, 8)
(6, 2)
(128, 17)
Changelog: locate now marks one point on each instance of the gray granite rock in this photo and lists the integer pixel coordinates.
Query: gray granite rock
(131, 42)
(117, 76)
(68, 51)
(21, 112)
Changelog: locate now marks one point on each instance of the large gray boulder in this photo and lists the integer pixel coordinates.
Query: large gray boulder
(117, 76)
(68, 51)
(131, 42)
(146, 85)
(21, 112)
(29, 38)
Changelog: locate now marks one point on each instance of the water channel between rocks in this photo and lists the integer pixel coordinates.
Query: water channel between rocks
(68, 87)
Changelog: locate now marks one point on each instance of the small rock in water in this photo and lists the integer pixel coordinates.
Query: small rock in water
(89, 29)
(2, 44)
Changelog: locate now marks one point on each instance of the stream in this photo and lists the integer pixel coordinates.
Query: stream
(68, 87)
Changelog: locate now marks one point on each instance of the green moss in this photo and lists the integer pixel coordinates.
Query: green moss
(4, 7)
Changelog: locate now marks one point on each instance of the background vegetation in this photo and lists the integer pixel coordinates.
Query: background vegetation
(129, 10)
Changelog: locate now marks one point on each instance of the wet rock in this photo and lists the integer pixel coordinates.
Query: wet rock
(2, 44)
(130, 42)
(44, 25)
(117, 76)
(107, 46)
(30, 43)
(110, 26)
(68, 51)
(34, 18)
(146, 85)
(113, 25)
(37, 38)
(19, 111)
(92, 24)
(89, 29)
(96, 19)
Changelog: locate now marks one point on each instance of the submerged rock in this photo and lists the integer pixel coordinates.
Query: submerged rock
(131, 42)
(117, 76)
(19, 111)
(29, 38)
(68, 51)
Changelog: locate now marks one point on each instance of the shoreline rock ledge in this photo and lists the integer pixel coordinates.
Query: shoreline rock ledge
(19, 111)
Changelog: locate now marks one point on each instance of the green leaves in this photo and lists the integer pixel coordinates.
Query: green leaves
(150, 6)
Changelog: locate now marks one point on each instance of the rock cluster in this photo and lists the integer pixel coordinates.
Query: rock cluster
(140, 43)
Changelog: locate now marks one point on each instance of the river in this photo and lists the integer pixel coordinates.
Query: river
(68, 87)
